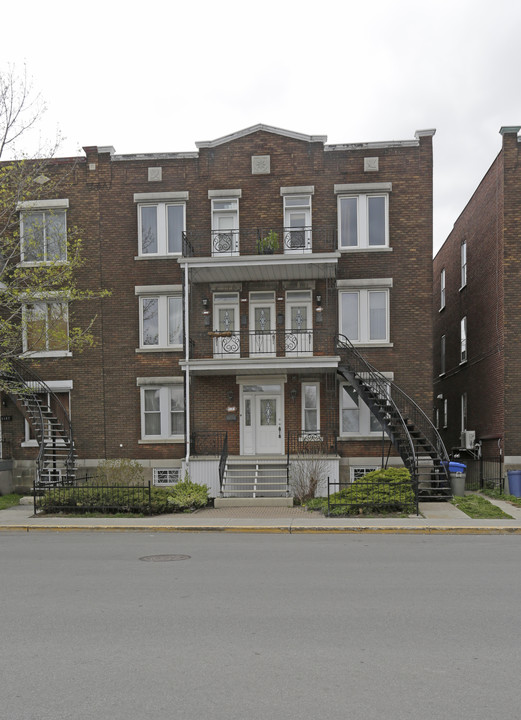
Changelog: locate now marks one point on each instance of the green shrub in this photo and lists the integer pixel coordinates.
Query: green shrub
(187, 495)
(119, 471)
(379, 492)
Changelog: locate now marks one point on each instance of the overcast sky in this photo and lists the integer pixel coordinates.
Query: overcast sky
(159, 76)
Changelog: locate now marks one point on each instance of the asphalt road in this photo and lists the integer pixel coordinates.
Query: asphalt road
(259, 626)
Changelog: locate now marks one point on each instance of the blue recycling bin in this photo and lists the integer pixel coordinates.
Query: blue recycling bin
(514, 483)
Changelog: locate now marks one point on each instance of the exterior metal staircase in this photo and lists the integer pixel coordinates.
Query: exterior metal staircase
(56, 459)
(255, 478)
(409, 429)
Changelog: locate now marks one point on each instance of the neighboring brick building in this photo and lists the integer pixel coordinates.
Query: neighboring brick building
(208, 335)
(477, 315)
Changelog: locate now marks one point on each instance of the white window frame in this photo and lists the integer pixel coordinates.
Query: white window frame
(165, 393)
(166, 476)
(306, 431)
(65, 352)
(363, 222)
(162, 228)
(364, 323)
(463, 257)
(463, 406)
(303, 207)
(445, 413)
(47, 208)
(163, 295)
(463, 340)
(443, 354)
(442, 289)
(364, 416)
(356, 472)
(231, 212)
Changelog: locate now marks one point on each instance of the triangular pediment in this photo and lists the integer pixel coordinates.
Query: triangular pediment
(260, 128)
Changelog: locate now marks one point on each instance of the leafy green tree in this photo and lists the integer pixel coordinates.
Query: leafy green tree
(40, 257)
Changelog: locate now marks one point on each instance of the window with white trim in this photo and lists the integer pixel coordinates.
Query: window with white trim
(43, 231)
(160, 228)
(442, 354)
(358, 472)
(297, 223)
(445, 412)
(355, 417)
(58, 402)
(310, 407)
(364, 315)
(463, 340)
(45, 328)
(162, 412)
(166, 476)
(463, 263)
(363, 221)
(161, 321)
(225, 226)
(442, 289)
(463, 412)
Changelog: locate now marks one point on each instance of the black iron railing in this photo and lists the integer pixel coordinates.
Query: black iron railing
(311, 443)
(90, 496)
(268, 343)
(372, 497)
(259, 241)
(207, 442)
(52, 427)
(409, 428)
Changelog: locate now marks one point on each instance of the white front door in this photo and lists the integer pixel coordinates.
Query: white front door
(262, 426)
(226, 342)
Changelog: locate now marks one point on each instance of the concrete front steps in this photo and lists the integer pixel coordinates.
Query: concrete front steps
(255, 481)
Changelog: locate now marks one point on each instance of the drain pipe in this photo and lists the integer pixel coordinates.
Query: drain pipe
(187, 373)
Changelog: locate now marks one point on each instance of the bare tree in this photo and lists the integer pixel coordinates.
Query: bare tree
(39, 255)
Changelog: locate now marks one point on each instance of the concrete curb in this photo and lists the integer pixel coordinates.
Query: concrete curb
(274, 529)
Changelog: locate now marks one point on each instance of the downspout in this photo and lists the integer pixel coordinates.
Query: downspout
(187, 371)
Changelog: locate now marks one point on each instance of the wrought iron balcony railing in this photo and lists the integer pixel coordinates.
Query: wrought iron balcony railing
(259, 241)
(252, 343)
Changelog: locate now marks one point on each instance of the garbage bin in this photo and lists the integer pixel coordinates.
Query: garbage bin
(457, 478)
(514, 482)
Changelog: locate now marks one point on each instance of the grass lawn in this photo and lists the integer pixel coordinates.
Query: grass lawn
(498, 495)
(476, 506)
(7, 501)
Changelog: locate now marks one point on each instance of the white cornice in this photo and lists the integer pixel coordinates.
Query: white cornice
(260, 128)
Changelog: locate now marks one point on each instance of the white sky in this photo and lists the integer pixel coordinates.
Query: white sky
(159, 76)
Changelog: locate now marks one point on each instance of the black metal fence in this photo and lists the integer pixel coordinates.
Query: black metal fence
(484, 473)
(364, 497)
(89, 496)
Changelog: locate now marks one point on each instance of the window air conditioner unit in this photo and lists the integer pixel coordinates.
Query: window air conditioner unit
(468, 439)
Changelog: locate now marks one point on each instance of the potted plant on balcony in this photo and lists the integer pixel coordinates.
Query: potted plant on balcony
(268, 244)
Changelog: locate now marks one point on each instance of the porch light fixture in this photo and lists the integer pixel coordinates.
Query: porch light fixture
(229, 395)
(319, 307)
(205, 303)
(293, 394)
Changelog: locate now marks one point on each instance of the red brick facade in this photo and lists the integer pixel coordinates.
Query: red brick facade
(490, 226)
(106, 406)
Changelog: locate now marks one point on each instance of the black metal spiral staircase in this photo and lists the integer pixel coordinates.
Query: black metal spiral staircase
(409, 429)
(49, 420)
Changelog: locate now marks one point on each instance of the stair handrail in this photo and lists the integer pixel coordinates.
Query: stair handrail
(432, 434)
(29, 380)
(222, 462)
(380, 383)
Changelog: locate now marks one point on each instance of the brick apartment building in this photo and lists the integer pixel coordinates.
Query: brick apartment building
(477, 313)
(232, 269)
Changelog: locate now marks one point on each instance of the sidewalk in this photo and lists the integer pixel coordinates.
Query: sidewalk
(437, 518)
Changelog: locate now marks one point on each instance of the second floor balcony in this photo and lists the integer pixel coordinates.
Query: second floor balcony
(259, 241)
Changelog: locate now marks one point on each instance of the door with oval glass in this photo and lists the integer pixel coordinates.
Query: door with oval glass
(262, 420)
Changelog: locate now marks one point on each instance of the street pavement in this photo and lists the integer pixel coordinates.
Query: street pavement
(434, 518)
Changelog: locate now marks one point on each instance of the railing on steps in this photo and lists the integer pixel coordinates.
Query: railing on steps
(222, 463)
(408, 427)
(25, 386)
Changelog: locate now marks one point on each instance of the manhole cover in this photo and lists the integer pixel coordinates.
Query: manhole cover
(164, 558)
